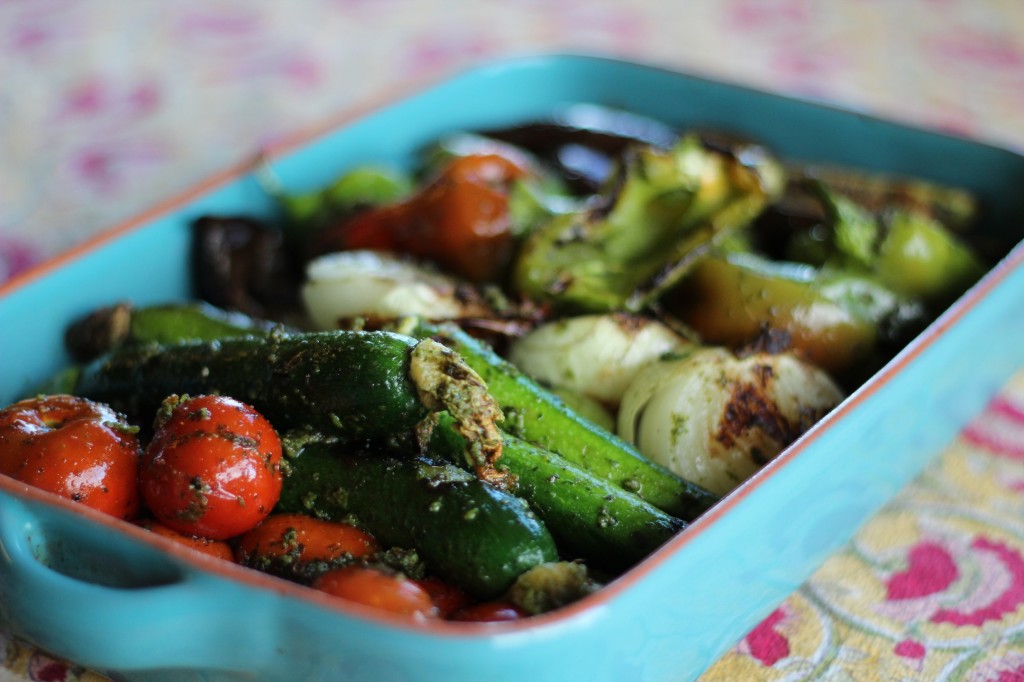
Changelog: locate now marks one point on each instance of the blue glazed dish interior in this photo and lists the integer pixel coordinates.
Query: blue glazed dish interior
(110, 597)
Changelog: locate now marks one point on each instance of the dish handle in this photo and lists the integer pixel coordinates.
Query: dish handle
(95, 596)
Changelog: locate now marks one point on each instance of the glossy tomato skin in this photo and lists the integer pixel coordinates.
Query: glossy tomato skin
(378, 589)
(213, 467)
(301, 547)
(447, 597)
(460, 220)
(77, 448)
(214, 548)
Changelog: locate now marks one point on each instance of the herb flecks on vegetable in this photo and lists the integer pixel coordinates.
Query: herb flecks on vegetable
(446, 382)
(551, 586)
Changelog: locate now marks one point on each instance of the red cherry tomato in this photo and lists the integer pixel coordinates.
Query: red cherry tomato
(488, 612)
(297, 538)
(460, 220)
(447, 597)
(74, 447)
(215, 548)
(213, 468)
(378, 589)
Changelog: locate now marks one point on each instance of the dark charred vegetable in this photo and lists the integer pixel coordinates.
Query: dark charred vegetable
(239, 263)
(584, 142)
(468, 532)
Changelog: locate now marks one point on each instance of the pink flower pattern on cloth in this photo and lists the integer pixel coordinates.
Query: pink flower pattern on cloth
(109, 107)
(932, 588)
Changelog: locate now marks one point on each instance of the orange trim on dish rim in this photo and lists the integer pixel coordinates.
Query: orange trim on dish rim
(263, 581)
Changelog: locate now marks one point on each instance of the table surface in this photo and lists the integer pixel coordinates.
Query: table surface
(110, 106)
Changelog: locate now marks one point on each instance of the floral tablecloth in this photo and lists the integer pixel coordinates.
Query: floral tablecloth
(109, 106)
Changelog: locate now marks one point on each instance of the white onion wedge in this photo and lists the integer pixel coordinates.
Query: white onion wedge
(594, 355)
(716, 419)
(351, 284)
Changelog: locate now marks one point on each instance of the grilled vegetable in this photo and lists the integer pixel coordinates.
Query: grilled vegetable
(919, 257)
(834, 320)
(213, 467)
(459, 220)
(466, 531)
(215, 548)
(551, 586)
(241, 263)
(589, 518)
(122, 323)
(357, 189)
(586, 407)
(532, 197)
(582, 142)
(662, 212)
(348, 285)
(349, 384)
(595, 355)
(538, 416)
(76, 448)
(906, 248)
(300, 547)
(379, 589)
(716, 419)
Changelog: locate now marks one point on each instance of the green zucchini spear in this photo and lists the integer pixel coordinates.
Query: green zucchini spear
(123, 324)
(590, 518)
(473, 534)
(352, 385)
(536, 415)
(346, 385)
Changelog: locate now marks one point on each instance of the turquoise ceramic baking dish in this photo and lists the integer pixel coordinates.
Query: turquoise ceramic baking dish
(121, 600)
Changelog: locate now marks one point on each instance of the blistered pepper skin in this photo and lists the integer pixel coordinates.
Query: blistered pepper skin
(732, 305)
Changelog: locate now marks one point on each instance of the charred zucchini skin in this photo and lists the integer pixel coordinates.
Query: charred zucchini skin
(350, 385)
(589, 518)
(536, 415)
(466, 531)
